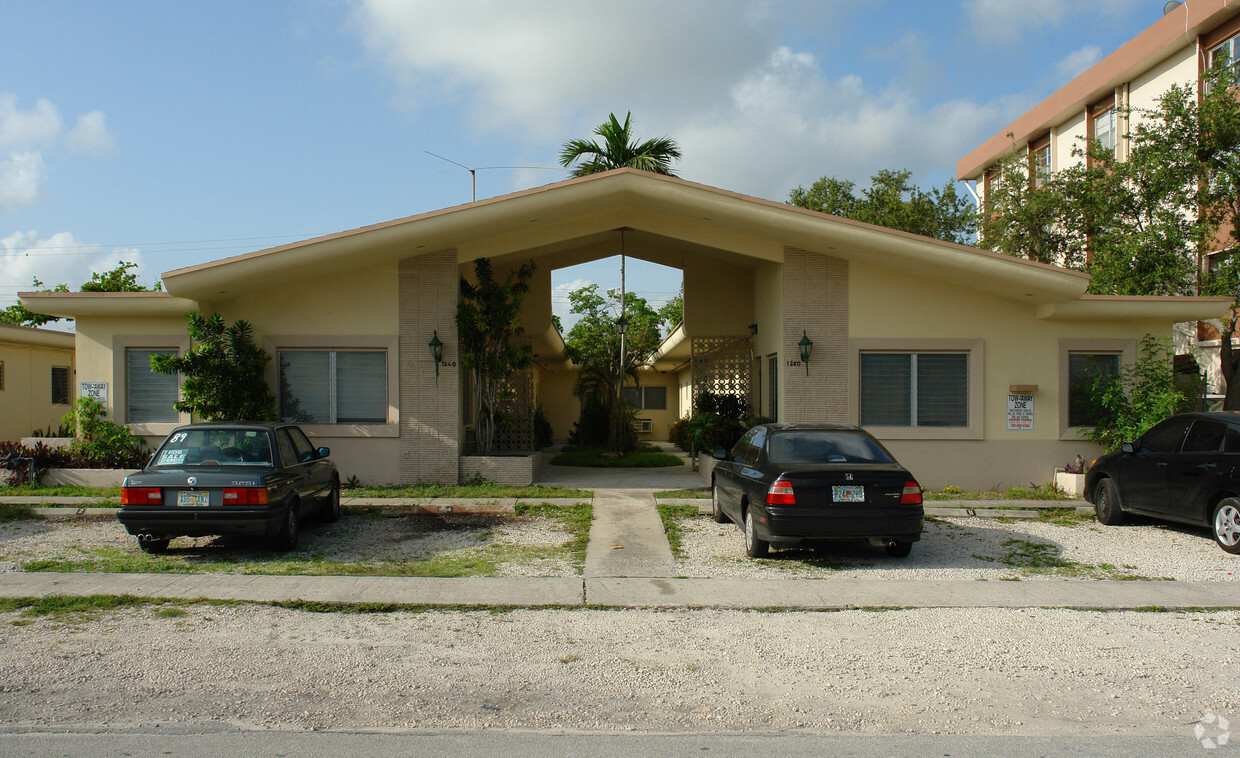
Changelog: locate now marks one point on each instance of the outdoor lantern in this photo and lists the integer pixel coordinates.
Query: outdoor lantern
(622, 324)
(807, 345)
(436, 346)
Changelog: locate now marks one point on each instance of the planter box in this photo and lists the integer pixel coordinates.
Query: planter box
(52, 442)
(508, 470)
(1073, 484)
(86, 477)
(706, 465)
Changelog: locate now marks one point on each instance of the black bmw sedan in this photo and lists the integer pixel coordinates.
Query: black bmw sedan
(1184, 469)
(255, 479)
(785, 483)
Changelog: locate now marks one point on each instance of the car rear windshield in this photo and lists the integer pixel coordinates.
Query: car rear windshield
(824, 447)
(215, 447)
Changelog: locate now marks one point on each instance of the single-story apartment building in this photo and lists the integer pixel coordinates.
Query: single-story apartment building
(36, 380)
(959, 359)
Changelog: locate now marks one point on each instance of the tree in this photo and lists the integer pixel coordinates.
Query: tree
(1142, 394)
(619, 150)
(118, 279)
(594, 344)
(673, 311)
(224, 372)
(488, 316)
(894, 202)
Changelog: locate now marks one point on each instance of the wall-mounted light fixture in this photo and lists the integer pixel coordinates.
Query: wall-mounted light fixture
(753, 329)
(807, 346)
(436, 346)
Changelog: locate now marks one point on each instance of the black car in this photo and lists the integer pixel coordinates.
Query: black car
(256, 479)
(1184, 469)
(784, 483)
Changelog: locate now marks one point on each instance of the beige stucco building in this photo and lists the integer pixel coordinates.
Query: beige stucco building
(36, 380)
(956, 357)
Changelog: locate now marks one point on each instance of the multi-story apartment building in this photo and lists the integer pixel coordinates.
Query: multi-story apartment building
(1176, 49)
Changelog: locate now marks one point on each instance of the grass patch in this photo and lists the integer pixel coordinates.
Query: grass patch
(594, 458)
(702, 493)
(575, 518)
(1043, 558)
(672, 515)
(59, 490)
(76, 608)
(1065, 516)
(1011, 493)
(494, 491)
(10, 512)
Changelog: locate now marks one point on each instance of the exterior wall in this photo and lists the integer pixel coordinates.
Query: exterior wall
(561, 406)
(1178, 68)
(718, 297)
(816, 305)
(1008, 346)
(660, 420)
(26, 397)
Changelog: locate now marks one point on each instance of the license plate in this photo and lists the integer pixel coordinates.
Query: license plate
(194, 499)
(849, 493)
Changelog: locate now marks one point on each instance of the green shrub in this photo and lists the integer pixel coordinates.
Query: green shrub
(1141, 395)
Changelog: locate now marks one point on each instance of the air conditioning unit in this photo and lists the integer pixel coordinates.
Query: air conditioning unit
(644, 426)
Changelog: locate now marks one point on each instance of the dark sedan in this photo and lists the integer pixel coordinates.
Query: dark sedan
(785, 483)
(257, 479)
(1185, 469)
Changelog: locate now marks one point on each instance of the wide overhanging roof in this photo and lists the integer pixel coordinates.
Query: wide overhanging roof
(579, 212)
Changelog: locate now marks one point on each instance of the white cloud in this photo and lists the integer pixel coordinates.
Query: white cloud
(90, 135)
(1075, 62)
(1005, 21)
(26, 134)
(60, 258)
(21, 179)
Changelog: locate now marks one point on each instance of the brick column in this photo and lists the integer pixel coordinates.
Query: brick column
(429, 412)
(815, 290)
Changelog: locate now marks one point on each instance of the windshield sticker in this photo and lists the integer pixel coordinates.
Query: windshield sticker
(178, 437)
(173, 457)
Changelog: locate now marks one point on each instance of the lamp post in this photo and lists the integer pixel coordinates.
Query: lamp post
(436, 346)
(806, 345)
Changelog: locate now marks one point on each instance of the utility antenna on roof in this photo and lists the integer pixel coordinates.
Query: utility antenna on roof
(1170, 6)
(473, 172)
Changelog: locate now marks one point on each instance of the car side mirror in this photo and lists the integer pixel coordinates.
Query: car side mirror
(720, 454)
(1127, 447)
(324, 452)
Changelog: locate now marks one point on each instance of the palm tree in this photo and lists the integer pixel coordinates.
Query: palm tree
(619, 150)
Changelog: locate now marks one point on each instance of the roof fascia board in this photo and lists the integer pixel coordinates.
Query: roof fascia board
(30, 337)
(76, 304)
(1125, 308)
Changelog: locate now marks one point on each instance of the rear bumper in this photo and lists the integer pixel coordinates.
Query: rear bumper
(171, 521)
(790, 525)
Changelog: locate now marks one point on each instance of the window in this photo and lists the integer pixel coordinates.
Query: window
(1227, 55)
(1165, 437)
(1083, 370)
(1104, 128)
(1205, 437)
(914, 389)
(333, 386)
(149, 396)
(644, 398)
(60, 385)
(1040, 161)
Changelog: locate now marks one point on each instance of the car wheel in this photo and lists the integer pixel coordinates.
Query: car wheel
(333, 510)
(715, 510)
(1227, 525)
(755, 546)
(899, 549)
(290, 533)
(154, 547)
(1106, 503)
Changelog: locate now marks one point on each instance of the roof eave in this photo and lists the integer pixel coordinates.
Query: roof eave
(1125, 308)
(78, 304)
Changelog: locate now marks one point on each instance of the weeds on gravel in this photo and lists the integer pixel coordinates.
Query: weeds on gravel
(672, 515)
(696, 492)
(77, 608)
(1035, 492)
(10, 512)
(1045, 558)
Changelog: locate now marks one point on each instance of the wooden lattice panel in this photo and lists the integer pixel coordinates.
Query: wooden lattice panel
(721, 365)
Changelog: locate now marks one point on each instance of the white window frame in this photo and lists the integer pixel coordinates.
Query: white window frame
(1126, 349)
(974, 348)
(390, 344)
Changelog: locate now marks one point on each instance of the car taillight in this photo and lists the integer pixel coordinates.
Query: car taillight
(781, 493)
(142, 496)
(245, 496)
(911, 494)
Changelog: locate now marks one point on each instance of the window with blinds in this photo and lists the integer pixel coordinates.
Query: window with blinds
(644, 398)
(333, 386)
(60, 385)
(149, 397)
(1084, 369)
(914, 389)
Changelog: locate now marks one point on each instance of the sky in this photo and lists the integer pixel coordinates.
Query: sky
(170, 134)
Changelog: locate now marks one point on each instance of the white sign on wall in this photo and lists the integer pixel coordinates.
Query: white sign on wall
(95, 391)
(1020, 412)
